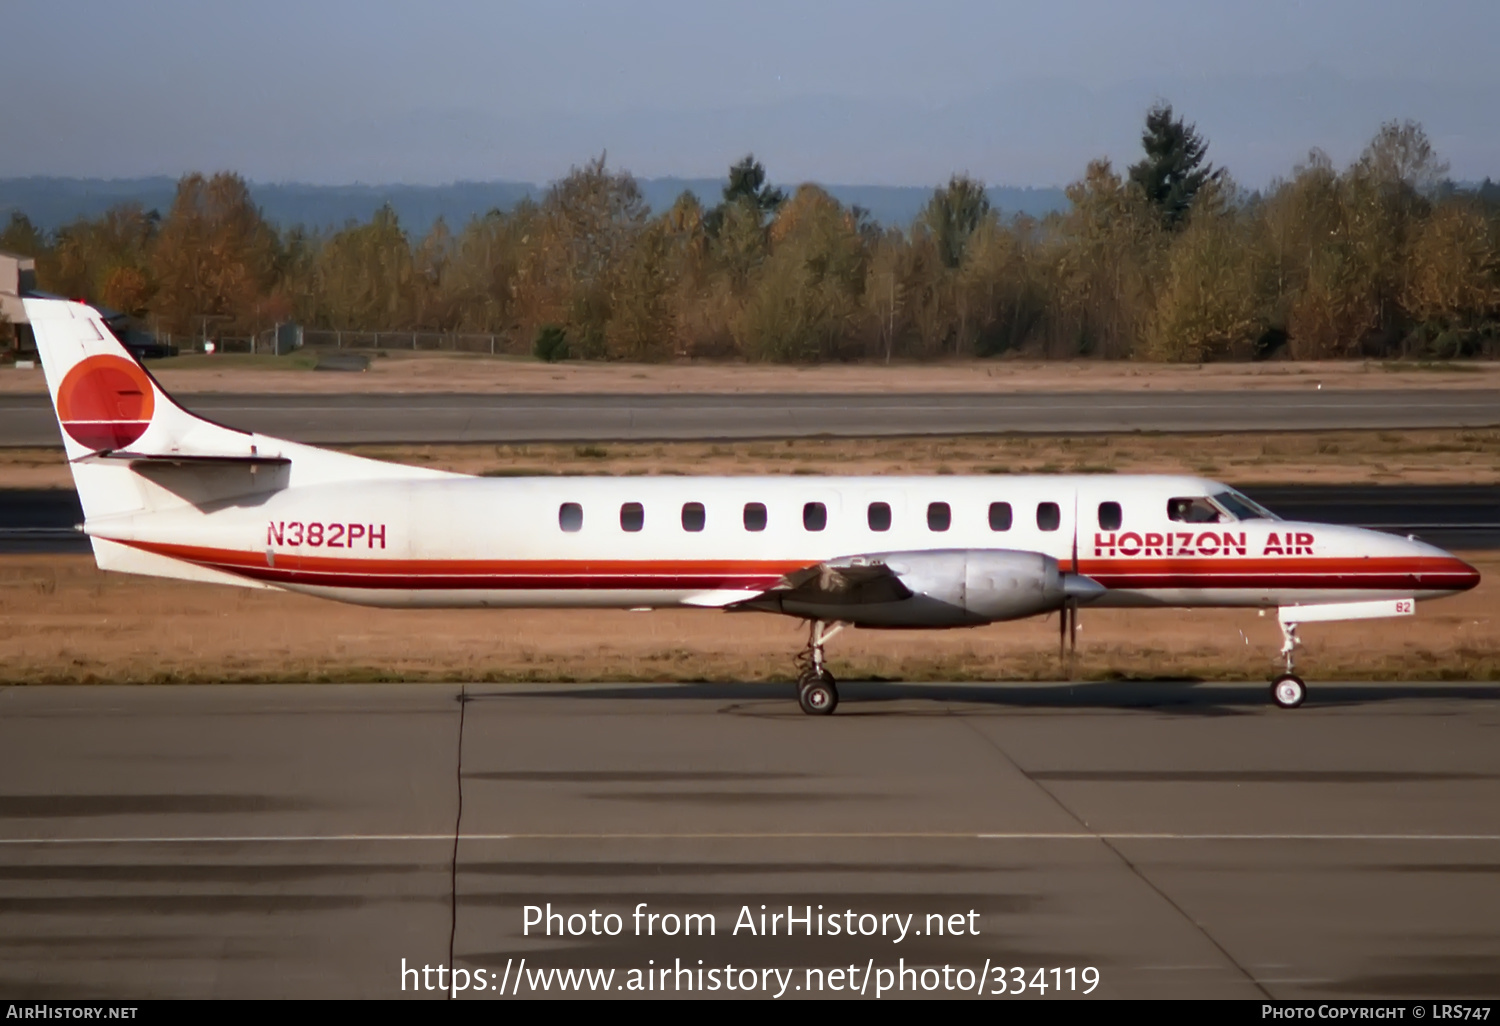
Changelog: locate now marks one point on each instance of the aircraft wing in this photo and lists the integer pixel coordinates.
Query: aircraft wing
(820, 583)
(848, 583)
(936, 588)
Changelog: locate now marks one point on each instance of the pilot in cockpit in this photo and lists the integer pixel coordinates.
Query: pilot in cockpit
(1193, 511)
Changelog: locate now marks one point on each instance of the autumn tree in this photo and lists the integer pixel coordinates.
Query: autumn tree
(1104, 254)
(1288, 225)
(590, 223)
(483, 282)
(1389, 190)
(686, 227)
(807, 298)
(642, 324)
(364, 276)
(704, 302)
(1207, 305)
(954, 214)
(23, 237)
(1000, 291)
(432, 306)
(1452, 288)
(106, 260)
(215, 258)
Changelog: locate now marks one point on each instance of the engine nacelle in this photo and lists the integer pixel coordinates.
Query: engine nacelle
(941, 588)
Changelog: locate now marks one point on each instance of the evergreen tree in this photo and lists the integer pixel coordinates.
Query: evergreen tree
(746, 188)
(747, 180)
(1173, 170)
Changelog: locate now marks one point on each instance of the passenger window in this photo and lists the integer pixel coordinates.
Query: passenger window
(693, 516)
(570, 516)
(755, 516)
(880, 516)
(939, 516)
(1000, 517)
(632, 516)
(814, 516)
(1048, 516)
(1109, 516)
(1192, 511)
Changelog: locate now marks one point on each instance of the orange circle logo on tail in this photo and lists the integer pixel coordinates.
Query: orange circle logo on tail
(105, 402)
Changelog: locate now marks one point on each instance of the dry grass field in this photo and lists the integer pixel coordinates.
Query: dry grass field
(1374, 457)
(66, 622)
(457, 372)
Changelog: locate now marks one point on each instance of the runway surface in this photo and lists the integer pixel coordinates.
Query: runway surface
(349, 419)
(1460, 517)
(1184, 840)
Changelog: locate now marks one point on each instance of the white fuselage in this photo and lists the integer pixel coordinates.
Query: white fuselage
(641, 542)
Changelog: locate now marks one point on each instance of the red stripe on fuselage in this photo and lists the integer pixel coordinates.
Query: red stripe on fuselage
(481, 574)
(1377, 573)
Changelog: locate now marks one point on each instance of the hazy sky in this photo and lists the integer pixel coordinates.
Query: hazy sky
(849, 91)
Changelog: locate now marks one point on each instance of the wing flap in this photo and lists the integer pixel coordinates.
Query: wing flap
(720, 599)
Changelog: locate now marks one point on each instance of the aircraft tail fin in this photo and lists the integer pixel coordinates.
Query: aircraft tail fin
(112, 412)
(134, 452)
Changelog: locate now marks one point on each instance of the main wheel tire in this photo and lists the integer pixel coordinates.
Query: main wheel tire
(819, 697)
(1288, 691)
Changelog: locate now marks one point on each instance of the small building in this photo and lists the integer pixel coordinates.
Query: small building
(17, 278)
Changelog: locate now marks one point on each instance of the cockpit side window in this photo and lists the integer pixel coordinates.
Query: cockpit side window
(1194, 509)
(1242, 508)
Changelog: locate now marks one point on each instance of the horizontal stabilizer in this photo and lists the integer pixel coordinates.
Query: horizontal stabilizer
(186, 459)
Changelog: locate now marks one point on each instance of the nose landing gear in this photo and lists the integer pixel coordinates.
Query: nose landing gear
(1289, 690)
(817, 691)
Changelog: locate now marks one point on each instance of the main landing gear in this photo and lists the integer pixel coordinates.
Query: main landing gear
(1067, 638)
(817, 691)
(1289, 690)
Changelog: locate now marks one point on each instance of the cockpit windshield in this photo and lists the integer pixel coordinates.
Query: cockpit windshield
(1241, 508)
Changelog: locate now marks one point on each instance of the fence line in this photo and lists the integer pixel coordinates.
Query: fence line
(497, 343)
(414, 341)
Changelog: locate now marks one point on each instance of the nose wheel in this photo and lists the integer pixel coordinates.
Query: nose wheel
(817, 691)
(1288, 691)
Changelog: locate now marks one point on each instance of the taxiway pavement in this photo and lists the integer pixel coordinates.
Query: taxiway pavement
(1457, 517)
(1187, 840)
(433, 418)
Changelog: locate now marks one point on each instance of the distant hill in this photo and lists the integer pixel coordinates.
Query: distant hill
(54, 202)
(894, 205)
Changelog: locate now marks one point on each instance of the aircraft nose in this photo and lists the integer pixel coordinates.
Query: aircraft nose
(1444, 570)
(1465, 577)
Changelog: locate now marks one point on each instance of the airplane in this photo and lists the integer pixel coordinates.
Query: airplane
(169, 494)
